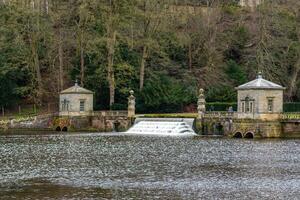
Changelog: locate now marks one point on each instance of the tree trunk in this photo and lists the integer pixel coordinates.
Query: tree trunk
(82, 68)
(294, 81)
(190, 57)
(38, 74)
(46, 7)
(61, 63)
(111, 40)
(36, 63)
(142, 68)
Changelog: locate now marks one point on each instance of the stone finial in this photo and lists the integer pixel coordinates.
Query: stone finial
(131, 104)
(201, 91)
(259, 75)
(201, 103)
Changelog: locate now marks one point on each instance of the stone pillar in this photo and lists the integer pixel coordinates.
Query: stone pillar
(131, 104)
(201, 103)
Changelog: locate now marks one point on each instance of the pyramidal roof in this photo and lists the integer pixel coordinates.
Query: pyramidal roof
(76, 89)
(260, 83)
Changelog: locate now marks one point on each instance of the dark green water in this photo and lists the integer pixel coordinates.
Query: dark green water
(110, 166)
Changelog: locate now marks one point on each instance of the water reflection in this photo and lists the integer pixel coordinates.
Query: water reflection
(112, 166)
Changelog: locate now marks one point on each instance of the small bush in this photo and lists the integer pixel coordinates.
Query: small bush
(118, 106)
(220, 106)
(291, 107)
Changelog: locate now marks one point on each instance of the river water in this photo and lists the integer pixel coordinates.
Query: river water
(112, 166)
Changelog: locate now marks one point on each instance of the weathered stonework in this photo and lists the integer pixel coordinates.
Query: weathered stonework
(258, 128)
(102, 121)
(75, 104)
(291, 129)
(201, 107)
(42, 122)
(232, 127)
(76, 101)
(259, 114)
(131, 104)
(260, 99)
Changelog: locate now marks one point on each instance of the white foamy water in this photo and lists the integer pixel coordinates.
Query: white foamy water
(162, 128)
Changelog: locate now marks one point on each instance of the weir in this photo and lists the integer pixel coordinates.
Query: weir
(163, 126)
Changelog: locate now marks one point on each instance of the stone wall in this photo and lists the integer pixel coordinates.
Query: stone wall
(100, 122)
(214, 126)
(42, 122)
(259, 128)
(108, 124)
(277, 98)
(225, 124)
(291, 129)
(261, 101)
(232, 126)
(94, 123)
(74, 104)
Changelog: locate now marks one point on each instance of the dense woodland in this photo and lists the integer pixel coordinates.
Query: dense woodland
(165, 50)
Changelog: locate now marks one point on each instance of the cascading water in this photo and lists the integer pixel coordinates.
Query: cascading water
(162, 126)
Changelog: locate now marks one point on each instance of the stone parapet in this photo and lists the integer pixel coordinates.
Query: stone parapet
(219, 115)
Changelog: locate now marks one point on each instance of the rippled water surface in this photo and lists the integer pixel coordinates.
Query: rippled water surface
(111, 166)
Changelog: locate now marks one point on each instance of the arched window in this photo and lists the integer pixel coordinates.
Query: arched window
(247, 105)
(270, 104)
(82, 105)
(243, 106)
(65, 105)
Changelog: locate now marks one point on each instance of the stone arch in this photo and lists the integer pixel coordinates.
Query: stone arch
(205, 129)
(219, 128)
(249, 135)
(58, 128)
(64, 129)
(116, 126)
(212, 128)
(238, 135)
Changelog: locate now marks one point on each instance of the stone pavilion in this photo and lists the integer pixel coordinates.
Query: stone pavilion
(76, 101)
(260, 99)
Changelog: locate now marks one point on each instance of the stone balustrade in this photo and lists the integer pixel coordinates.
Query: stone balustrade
(111, 113)
(290, 116)
(215, 114)
(281, 116)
